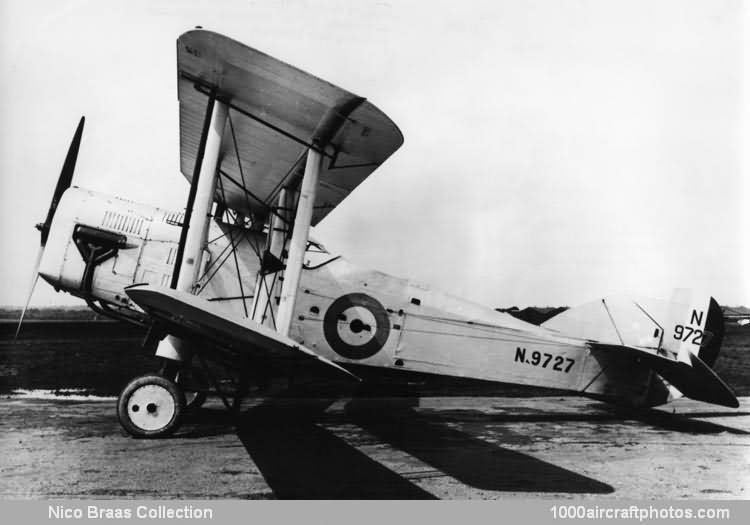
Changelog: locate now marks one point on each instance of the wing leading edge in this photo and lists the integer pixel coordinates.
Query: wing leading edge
(276, 112)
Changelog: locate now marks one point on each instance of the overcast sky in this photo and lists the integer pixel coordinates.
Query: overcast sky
(555, 152)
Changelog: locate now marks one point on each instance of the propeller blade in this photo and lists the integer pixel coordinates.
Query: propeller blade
(34, 279)
(64, 180)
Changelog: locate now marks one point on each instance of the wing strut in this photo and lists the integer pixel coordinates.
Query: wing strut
(197, 216)
(298, 243)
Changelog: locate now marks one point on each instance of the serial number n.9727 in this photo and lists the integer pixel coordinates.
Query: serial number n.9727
(545, 360)
(687, 333)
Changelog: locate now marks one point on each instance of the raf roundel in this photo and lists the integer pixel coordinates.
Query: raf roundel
(356, 326)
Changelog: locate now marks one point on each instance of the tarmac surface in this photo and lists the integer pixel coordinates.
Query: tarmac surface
(364, 448)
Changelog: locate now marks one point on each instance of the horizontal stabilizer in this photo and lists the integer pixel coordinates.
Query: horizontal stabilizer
(187, 313)
(695, 380)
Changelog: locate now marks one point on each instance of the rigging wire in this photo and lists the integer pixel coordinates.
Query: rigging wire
(239, 161)
(234, 248)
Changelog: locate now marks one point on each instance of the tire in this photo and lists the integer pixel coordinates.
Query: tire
(150, 406)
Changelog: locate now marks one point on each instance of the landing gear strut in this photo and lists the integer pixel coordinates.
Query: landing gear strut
(194, 385)
(190, 380)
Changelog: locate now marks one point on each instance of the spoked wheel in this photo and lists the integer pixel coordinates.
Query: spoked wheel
(150, 406)
(194, 385)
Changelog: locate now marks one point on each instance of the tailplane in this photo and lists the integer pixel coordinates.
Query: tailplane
(694, 379)
(678, 339)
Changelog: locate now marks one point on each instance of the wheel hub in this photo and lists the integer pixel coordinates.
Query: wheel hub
(151, 407)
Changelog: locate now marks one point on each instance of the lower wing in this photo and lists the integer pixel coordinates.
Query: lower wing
(188, 315)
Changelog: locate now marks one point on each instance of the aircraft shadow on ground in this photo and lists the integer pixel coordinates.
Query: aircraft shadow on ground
(207, 422)
(301, 460)
(683, 423)
(470, 460)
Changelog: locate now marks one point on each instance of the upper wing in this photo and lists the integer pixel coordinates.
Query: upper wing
(276, 113)
(187, 313)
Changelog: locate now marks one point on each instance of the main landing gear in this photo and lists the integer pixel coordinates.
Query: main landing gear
(194, 385)
(152, 405)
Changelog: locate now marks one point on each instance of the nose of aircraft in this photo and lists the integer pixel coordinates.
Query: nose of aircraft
(63, 183)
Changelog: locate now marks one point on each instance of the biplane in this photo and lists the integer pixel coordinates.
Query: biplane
(269, 151)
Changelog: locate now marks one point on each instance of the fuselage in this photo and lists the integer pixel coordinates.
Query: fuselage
(344, 313)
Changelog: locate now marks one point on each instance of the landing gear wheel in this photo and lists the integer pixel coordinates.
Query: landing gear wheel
(150, 406)
(194, 385)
